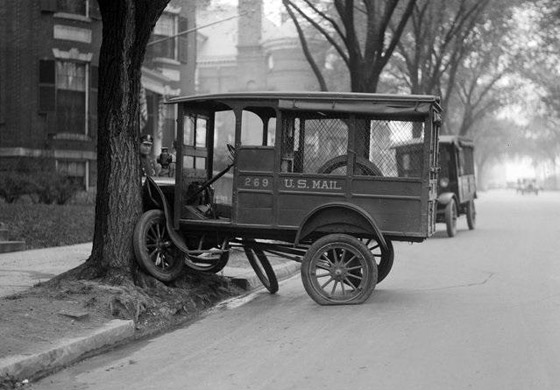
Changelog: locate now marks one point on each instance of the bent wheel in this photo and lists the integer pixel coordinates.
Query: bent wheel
(339, 269)
(383, 259)
(471, 215)
(261, 266)
(209, 263)
(451, 218)
(153, 248)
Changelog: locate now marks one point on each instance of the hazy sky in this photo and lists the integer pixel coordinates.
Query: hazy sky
(272, 8)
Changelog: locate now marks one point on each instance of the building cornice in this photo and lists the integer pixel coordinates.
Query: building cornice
(157, 82)
(58, 153)
(72, 54)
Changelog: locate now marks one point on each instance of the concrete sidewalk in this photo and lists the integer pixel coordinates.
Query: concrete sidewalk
(21, 270)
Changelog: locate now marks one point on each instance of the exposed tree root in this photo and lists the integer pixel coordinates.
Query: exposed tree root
(150, 303)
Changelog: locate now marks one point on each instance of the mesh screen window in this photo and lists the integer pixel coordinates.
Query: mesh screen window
(320, 143)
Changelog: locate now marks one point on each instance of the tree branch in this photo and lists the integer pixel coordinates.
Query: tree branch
(317, 26)
(307, 53)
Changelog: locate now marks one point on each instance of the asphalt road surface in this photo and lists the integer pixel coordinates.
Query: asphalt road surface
(478, 311)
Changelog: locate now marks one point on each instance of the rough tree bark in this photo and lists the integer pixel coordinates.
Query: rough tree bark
(127, 25)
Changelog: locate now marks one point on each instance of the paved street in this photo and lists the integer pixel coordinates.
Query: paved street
(478, 311)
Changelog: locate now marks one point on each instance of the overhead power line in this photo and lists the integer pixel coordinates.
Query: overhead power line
(195, 29)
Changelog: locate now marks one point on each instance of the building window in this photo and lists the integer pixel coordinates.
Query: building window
(47, 90)
(71, 96)
(2, 98)
(63, 87)
(72, 9)
(183, 40)
(164, 38)
(75, 171)
(77, 7)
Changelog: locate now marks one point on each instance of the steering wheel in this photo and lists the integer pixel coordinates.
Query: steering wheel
(363, 166)
(204, 186)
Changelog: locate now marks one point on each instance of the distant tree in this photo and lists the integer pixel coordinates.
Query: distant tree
(549, 23)
(436, 41)
(546, 71)
(358, 31)
(495, 139)
(537, 49)
(127, 25)
(537, 53)
(481, 86)
(477, 95)
(540, 140)
(455, 49)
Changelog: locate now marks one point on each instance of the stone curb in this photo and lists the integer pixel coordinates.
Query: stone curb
(22, 367)
(70, 351)
(250, 281)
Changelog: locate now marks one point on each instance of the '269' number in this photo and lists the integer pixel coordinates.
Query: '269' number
(256, 182)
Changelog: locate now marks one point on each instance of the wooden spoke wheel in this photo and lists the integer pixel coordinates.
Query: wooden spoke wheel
(383, 258)
(339, 269)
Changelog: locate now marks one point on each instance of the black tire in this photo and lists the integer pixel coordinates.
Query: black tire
(471, 215)
(383, 259)
(451, 218)
(337, 255)
(366, 167)
(153, 248)
(262, 267)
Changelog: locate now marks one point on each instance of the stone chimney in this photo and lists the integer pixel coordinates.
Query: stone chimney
(250, 57)
(249, 23)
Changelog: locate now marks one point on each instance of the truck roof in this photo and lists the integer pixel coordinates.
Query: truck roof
(391, 104)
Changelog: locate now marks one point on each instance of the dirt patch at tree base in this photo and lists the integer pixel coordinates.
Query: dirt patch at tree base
(35, 320)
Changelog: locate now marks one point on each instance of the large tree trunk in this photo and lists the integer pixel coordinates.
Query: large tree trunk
(127, 25)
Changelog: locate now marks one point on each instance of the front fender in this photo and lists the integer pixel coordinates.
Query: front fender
(311, 221)
(156, 197)
(445, 197)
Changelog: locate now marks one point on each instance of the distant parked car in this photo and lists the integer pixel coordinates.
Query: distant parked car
(456, 187)
(527, 186)
(457, 182)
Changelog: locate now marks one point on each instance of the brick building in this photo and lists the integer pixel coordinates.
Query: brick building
(247, 51)
(48, 79)
(169, 70)
(49, 54)
(243, 50)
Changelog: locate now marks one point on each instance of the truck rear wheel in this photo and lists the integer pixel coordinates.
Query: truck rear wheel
(451, 218)
(471, 215)
(339, 269)
(383, 258)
